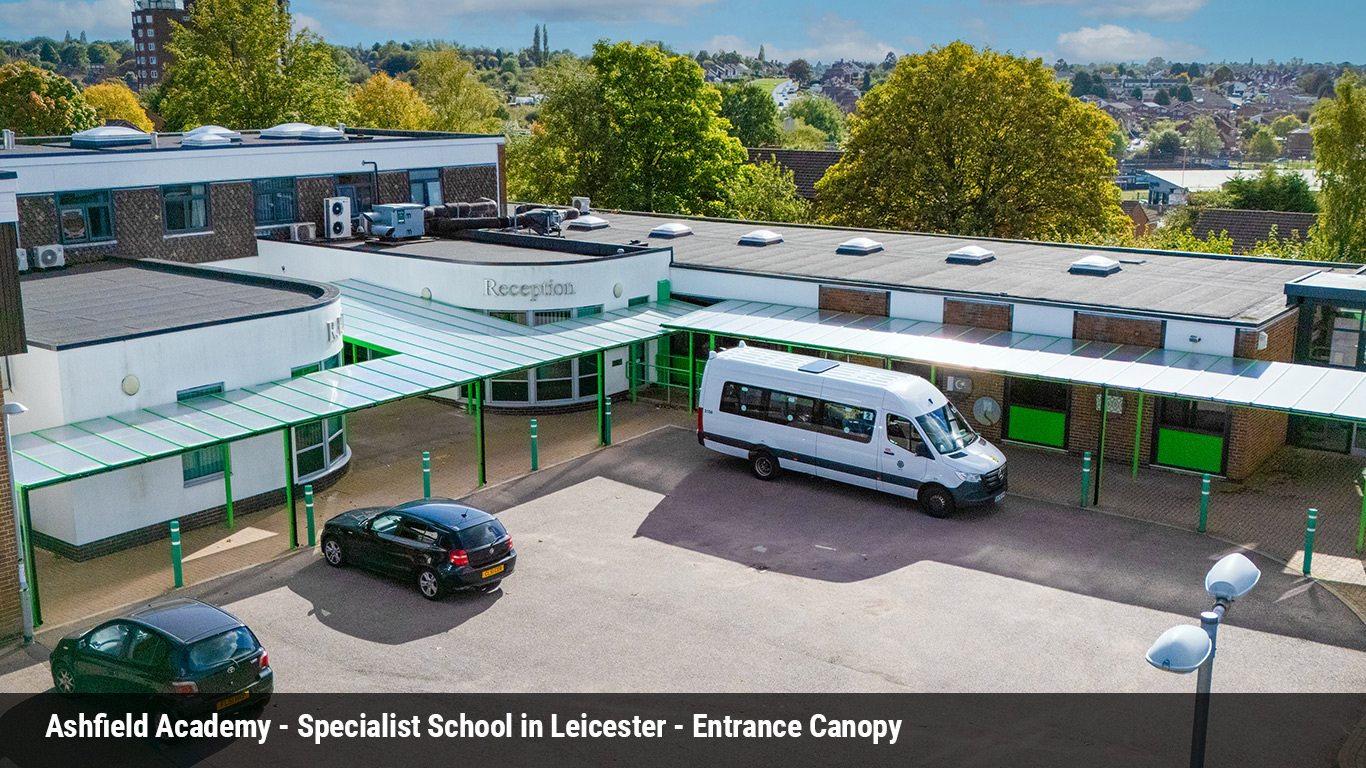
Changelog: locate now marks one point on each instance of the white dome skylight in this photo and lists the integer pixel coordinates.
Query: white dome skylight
(322, 133)
(1095, 264)
(859, 246)
(760, 238)
(203, 140)
(285, 131)
(671, 230)
(109, 136)
(588, 223)
(213, 130)
(971, 254)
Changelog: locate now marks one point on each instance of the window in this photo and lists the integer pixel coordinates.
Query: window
(186, 207)
(385, 524)
(555, 381)
(86, 217)
(1335, 336)
(319, 445)
(512, 317)
(482, 535)
(233, 645)
(638, 301)
(424, 186)
(360, 188)
(205, 463)
(513, 387)
(544, 316)
(275, 201)
(109, 640)
(418, 532)
(849, 422)
(152, 47)
(140, 33)
(1194, 416)
(589, 311)
(947, 429)
(588, 375)
(150, 650)
(142, 60)
(139, 46)
(902, 434)
(152, 60)
(155, 74)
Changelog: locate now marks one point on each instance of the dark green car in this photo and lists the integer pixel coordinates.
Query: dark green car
(440, 544)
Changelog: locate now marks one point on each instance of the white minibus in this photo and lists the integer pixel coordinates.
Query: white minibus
(879, 429)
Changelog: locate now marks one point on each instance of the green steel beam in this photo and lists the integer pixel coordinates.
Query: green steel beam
(602, 399)
(479, 433)
(31, 569)
(227, 479)
(289, 487)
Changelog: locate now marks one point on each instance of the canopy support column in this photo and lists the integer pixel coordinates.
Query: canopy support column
(602, 395)
(1138, 433)
(227, 480)
(1100, 450)
(692, 375)
(481, 455)
(35, 605)
(289, 488)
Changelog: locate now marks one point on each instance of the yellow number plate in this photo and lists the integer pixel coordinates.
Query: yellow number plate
(228, 702)
(492, 571)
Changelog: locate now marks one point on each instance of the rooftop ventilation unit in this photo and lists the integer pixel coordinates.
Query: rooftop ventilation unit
(671, 230)
(322, 133)
(589, 223)
(859, 246)
(109, 136)
(583, 205)
(760, 238)
(1095, 264)
(214, 130)
(971, 254)
(285, 131)
(395, 221)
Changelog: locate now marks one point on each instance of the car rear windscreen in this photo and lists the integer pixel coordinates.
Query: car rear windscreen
(235, 644)
(482, 535)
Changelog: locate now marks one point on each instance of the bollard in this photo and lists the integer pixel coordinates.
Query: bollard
(175, 553)
(426, 475)
(535, 455)
(1085, 478)
(308, 510)
(607, 422)
(1204, 503)
(1309, 539)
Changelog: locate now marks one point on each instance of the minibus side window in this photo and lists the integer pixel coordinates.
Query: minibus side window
(793, 410)
(847, 421)
(744, 400)
(903, 435)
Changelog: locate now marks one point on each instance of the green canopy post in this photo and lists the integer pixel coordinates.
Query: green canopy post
(1138, 433)
(289, 488)
(175, 554)
(227, 479)
(308, 513)
(479, 450)
(602, 399)
(30, 567)
(1100, 451)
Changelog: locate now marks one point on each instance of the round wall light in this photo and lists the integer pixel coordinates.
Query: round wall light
(617, 290)
(427, 294)
(131, 385)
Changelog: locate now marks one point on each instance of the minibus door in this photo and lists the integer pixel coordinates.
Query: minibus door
(904, 458)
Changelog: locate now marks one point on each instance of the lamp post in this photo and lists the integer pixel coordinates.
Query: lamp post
(1185, 649)
(25, 606)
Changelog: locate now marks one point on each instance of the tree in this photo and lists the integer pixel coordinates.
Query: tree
(35, 102)
(1339, 128)
(800, 71)
(1162, 98)
(1271, 191)
(752, 114)
(383, 102)
(1223, 75)
(536, 45)
(975, 143)
(102, 53)
(818, 112)
(1163, 139)
(459, 101)
(240, 63)
(1137, 93)
(889, 61)
(1193, 71)
(766, 192)
(1119, 143)
(1263, 146)
(1203, 137)
(1081, 83)
(545, 43)
(867, 84)
(112, 100)
(76, 58)
(634, 128)
(1283, 125)
(761, 53)
(803, 136)
(1184, 93)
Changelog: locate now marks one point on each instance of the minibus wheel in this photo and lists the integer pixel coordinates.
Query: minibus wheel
(936, 501)
(763, 464)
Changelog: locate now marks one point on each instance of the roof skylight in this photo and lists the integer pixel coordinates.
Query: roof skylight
(589, 223)
(761, 237)
(859, 246)
(1095, 264)
(671, 230)
(971, 254)
(109, 136)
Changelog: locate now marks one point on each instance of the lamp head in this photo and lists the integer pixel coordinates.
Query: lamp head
(1232, 577)
(13, 409)
(1181, 649)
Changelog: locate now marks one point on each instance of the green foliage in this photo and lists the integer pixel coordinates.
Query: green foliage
(1184, 92)
(240, 64)
(1340, 157)
(35, 102)
(112, 100)
(76, 58)
(1203, 137)
(1283, 125)
(383, 102)
(458, 100)
(1223, 75)
(633, 128)
(1119, 143)
(975, 143)
(766, 192)
(1163, 139)
(818, 112)
(1271, 191)
(1162, 97)
(800, 71)
(803, 136)
(102, 53)
(1263, 146)
(1175, 238)
(752, 114)
(1136, 93)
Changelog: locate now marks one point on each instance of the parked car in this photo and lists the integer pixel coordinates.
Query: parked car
(440, 544)
(202, 658)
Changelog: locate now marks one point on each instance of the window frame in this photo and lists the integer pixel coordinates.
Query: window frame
(85, 207)
(202, 465)
(425, 184)
(171, 195)
(270, 194)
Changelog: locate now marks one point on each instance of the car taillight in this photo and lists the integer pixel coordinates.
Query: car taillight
(460, 557)
(265, 659)
(185, 687)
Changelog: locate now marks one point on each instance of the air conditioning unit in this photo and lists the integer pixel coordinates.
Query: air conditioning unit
(338, 217)
(303, 231)
(581, 205)
(22, 254)
(50, 256)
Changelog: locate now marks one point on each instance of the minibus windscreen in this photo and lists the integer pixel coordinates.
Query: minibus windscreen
(947, 429)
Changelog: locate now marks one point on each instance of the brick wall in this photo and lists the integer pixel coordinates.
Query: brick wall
(37, 220)
(1254, 434)
(232, 225)
(11, 622)
(854, 300)
(311, 191)
(469, 183)
(1280, 339)
(393, 188)
(1119, 330)
(1083, 424)
(977, 314)
(983, 385)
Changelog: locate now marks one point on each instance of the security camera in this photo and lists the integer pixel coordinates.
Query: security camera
(1232, 577)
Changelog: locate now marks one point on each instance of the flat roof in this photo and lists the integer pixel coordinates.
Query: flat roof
(1209, 180)
(1330, 286)
(170, 142)
(1229, 289)
(471, 251)
(120, 299)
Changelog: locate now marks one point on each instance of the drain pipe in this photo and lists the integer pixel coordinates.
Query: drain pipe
(374, 177)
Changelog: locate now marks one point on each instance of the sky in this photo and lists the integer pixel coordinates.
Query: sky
(1079, 31)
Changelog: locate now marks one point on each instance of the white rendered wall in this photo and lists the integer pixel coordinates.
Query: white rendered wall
(917, 306)
(1213, 339)
(1047, 321)
(725, 285)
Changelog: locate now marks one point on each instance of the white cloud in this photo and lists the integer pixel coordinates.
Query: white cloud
(1110, 42)
(1156, 10)
(303, 21)
(426, 16)
(830, 38)
(99, 19)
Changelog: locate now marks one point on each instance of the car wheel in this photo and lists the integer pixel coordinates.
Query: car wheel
(332, 552)
(936, 501)
(64, 678)
(429, 584)
(764, 465)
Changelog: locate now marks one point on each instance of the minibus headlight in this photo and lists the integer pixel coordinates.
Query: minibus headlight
(968, 477)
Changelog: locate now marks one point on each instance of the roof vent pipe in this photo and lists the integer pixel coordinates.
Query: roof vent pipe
(8, 139)
(156, 140)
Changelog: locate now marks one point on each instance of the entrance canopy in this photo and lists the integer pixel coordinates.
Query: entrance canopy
(1302, 389)
(435, 346)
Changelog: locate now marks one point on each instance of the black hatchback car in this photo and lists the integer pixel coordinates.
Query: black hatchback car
(440, 544)
(201, 657)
